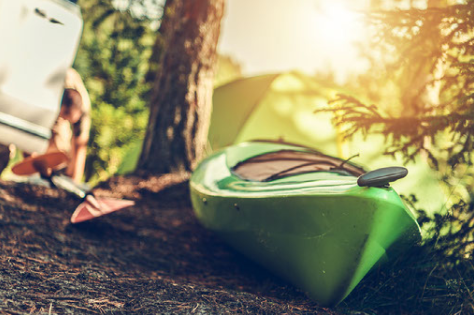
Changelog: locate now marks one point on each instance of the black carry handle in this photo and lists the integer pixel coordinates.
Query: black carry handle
(382, 176)
(44, 15)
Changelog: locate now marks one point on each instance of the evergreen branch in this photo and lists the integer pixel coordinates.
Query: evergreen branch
(407, 134)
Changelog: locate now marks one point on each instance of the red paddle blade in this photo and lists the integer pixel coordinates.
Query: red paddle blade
(89, 210)
(35, 164)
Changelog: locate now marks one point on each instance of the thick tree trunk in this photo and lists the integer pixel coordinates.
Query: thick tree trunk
(158, 47)
(181, 102)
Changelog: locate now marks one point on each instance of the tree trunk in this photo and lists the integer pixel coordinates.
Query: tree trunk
(181, 101)
(158, 47)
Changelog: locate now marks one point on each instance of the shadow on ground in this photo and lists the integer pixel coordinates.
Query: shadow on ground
(153, 258)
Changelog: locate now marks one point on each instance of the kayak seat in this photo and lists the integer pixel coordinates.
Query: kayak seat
(284, 163)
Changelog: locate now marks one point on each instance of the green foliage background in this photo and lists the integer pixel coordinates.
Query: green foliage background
(113, 61)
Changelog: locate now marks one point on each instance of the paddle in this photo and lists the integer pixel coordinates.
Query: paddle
(91, 207)
(40, 164)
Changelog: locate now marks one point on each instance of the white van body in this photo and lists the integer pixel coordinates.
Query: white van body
(38, 43)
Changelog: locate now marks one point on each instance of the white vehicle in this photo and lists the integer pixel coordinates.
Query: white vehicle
(38, 43)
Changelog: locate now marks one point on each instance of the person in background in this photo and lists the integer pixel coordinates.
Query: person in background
(70, 133)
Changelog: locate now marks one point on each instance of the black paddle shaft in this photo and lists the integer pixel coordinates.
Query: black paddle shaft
(67, 184)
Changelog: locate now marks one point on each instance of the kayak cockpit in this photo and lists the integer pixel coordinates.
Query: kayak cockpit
(284, 163)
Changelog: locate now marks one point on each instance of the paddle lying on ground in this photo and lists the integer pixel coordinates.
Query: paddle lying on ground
(40, 164)
(91, 207)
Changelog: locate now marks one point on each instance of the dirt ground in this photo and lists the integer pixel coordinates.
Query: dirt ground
(153, 258)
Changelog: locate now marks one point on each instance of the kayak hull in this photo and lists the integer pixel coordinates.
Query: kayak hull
(324, 239)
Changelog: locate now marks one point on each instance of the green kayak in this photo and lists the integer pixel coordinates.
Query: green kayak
(317, 221)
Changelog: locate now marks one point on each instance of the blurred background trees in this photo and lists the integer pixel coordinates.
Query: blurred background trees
(419, 79)
(119, 59)
(113, 60)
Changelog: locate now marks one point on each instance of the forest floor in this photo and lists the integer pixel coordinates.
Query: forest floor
(152, 258)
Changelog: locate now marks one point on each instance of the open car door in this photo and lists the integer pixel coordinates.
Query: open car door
(38, 40)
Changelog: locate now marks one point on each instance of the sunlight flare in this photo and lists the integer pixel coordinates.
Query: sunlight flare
(339, 25)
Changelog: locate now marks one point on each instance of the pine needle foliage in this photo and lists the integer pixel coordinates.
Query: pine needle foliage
(436, 44)
(428, 56)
